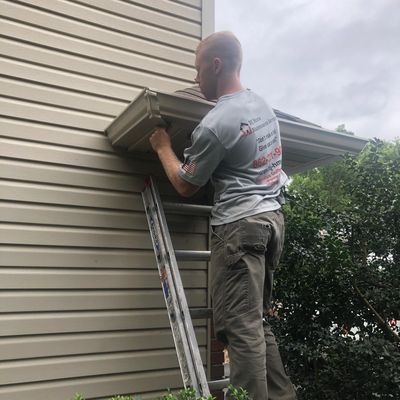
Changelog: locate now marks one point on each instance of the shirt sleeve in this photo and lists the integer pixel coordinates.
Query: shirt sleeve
(202, 157)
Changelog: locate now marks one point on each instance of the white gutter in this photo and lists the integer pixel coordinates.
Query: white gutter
(324, 139)
(133, 127)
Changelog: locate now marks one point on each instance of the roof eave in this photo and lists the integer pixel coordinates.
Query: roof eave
(305, 146)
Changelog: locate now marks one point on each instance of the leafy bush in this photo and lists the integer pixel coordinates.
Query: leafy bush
(337, 289)
(184, 394)
(80, 397)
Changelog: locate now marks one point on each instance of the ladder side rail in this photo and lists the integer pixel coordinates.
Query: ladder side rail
(198, 364)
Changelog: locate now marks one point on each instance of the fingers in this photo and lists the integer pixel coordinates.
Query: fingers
(158, 134)
(159, 138)
(160, 130)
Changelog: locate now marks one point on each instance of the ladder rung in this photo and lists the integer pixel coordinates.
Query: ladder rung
(182, 208)
(200, 313)
(192, 255)
(217, 385)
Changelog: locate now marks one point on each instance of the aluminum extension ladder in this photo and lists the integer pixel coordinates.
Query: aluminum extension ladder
(180, 317)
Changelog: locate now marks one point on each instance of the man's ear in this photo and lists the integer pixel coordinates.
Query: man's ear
(217, 65)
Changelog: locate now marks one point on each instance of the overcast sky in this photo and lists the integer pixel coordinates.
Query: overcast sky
(326, 61)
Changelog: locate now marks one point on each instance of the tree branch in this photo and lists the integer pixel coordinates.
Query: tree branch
(381, 322)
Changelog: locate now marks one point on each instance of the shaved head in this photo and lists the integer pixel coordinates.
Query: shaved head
(223, 45)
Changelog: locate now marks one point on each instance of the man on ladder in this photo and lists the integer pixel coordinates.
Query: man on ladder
(237, 145)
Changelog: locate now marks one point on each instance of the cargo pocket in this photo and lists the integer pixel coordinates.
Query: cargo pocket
(241, 238)
(236, 283)
(237, 288)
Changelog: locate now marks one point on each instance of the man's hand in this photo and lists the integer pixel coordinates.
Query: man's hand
(160, 139)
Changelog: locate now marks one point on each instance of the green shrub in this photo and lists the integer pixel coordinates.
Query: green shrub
(238, 394)
(184, 394)
(78, 396)
(337, 297)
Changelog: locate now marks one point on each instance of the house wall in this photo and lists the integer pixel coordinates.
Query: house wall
(80, 301)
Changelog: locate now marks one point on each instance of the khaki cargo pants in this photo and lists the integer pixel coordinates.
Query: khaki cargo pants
(244, 254)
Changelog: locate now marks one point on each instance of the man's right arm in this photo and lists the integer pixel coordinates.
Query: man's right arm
(161, 144)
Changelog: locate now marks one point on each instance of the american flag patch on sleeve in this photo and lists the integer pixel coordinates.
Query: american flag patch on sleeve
(189, 168)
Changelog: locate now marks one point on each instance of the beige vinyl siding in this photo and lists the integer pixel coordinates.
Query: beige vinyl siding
(81, 309)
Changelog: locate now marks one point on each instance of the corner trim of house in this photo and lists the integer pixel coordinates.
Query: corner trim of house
(207, 18)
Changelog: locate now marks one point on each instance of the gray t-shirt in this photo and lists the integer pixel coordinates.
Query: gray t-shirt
(238, 145)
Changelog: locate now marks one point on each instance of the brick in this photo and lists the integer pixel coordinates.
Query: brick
(217, 357)
(218, 394)
(217, 372)
(216, 345)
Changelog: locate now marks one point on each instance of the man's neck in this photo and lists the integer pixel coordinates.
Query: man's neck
(228, 86)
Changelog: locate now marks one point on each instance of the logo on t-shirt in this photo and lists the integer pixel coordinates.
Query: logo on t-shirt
(189, 168)
(245, 129)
